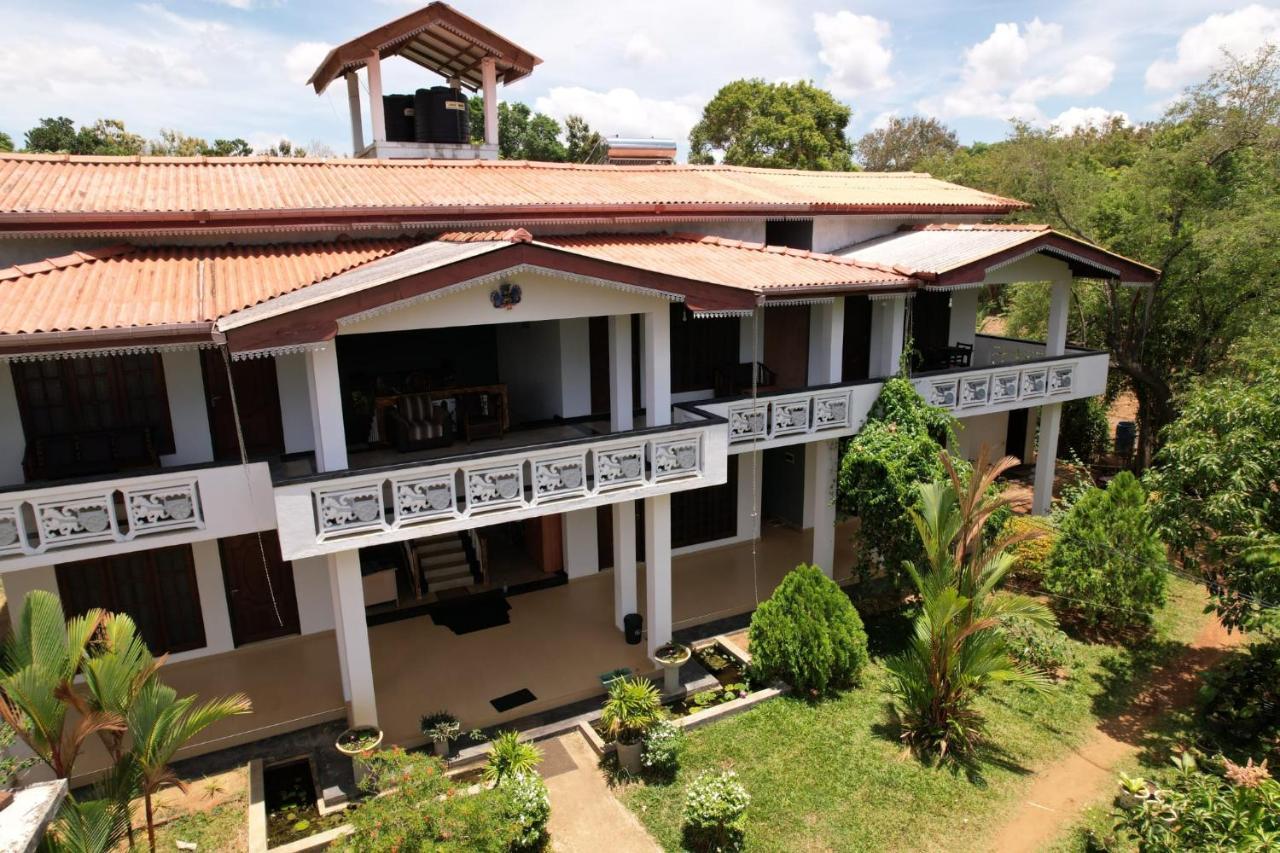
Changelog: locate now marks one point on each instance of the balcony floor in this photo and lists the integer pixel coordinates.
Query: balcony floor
(557, 643)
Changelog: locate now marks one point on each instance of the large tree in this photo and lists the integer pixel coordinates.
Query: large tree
(524, 134)
(104, 136)
(6, 142)
(777, 125)
(904, 142)
(1196, 193)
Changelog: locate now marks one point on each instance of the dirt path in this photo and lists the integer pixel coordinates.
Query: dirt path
(585, 816)
(1063, 789)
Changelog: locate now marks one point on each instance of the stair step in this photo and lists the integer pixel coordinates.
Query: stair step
(457, 570)
(452, 583)
(431, 561)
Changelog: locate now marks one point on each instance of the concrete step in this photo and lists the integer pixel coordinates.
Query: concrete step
(442, 558)
(453, 583)
(446, 572)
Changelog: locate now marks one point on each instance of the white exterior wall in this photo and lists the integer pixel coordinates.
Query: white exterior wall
(575, 367)
(973, 433)
(964, 316)
(315, 602)
(184, 385)
(14, 446)
(295, 407)
(529, 364)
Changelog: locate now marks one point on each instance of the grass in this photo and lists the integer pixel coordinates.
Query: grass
(832, 776)
(224, 827)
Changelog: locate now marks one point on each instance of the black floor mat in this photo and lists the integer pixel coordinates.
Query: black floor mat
(523, 696)
(474, 613)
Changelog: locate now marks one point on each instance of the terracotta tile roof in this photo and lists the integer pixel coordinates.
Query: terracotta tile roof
(732, 263)
(128, 286)
(963, 253)
(65, 190)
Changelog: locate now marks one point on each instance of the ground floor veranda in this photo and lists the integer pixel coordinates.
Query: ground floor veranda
(556, 645)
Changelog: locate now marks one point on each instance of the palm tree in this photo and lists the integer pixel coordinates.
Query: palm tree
(957, 648)
(89, 826)
(38, 663)
(160, 724)
(120, 666)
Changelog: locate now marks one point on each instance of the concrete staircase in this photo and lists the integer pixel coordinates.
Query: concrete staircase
(443, 562)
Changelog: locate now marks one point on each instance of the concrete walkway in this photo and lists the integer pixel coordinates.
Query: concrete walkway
(585, 816)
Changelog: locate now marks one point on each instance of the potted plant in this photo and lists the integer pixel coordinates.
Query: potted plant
(633, 705)
(359, 741)
(440, 728)
(671, 657)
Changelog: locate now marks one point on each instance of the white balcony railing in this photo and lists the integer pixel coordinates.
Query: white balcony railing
(1018, 383)
(126, 513)
(795, 417)
(322, 514)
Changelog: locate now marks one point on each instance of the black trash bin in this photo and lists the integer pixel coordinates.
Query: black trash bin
(632, 624)
(1126, 436)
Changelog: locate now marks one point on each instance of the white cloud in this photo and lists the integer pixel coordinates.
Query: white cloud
(623, 112)
(642, 50)
(881, 121)
(1072, 119)
(1010, 72)
(854, 49)
(1201, 47)
(303, 59)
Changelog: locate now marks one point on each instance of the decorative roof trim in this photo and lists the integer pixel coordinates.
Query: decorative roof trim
(786, 303)
(271, 352)
(48, 355)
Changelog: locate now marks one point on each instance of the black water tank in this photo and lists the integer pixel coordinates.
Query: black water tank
(631, 626)
(398, 110)
(1126, 435)
(441, 115)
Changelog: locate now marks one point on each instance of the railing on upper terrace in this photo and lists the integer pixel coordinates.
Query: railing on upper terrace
(779, 418)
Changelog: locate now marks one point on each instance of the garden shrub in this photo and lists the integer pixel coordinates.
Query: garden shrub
(1084, 431)
(1031, 556)
(808, 634)
(1044, 647)
(510, 756)
(1108, 565)
(1237, 809)
(895, 451)
(715, 811)
(663, 744)
(1240, 700)
(527, 808)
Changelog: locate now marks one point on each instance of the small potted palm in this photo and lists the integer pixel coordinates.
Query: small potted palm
(633, 705)
(440, 728)
(671, 657)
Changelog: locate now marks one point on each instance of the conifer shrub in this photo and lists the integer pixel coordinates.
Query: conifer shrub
(808, 634)
(1108, 565)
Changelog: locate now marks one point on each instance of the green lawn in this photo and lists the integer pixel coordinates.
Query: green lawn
(831, 775)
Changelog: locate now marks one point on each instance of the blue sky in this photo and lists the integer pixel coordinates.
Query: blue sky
(237, 67)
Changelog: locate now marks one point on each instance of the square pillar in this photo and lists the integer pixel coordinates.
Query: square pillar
(184, 384)
(1059, 306)
(214, 606)
(621, 407)
(657, 571)
(11, 451)
(826, 342)
(581, 543)
(489, 90)
(888, 324)
(373, 67)
(963, 327)
(575, 367)
(657, 363)
(353, 104)
(750, 478)
(325, 396)
(751, 337)
(353, 637)
(625, 599)
(1046, 458)
(822, 488)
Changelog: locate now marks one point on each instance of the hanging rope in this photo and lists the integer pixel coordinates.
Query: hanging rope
(244, 465)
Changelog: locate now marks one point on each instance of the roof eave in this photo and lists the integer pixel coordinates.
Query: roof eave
(34, 343)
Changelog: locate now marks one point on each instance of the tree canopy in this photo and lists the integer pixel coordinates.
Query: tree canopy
(110, 137)
(903, 143)
(1195, 193)
(776, 125)
(527, 135)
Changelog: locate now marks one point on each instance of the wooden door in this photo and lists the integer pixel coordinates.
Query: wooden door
(857, 339)
(258, 399)
(249, 596)
(786, 344)
(1015, 437)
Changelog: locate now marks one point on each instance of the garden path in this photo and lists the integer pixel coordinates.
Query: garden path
(1060, 791)
(585, 816)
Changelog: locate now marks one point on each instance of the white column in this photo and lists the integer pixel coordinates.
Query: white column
(353, 637)
(751, 337)
(624, 560)
(750, 478)
(374, 68)
(326, 408)
(657, 361)
(1059, 306)
(12, 449)
(823, 488)
(353, 103)
(888, 320)
(295, 402)
(489, 90)
(312, 585)
(213, 596)
(575, 367)
(657, 570)
(581, 543)
(184, 385)
(1046, 458)
(826, 342)
(18, 584)
(964, 316)
(335, 603)
(621, 407)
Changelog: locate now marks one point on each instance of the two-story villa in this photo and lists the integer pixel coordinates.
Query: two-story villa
(415, 430)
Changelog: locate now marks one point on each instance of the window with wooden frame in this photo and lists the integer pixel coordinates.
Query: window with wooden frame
(156, 588)
(65, 396)
(699, 346)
